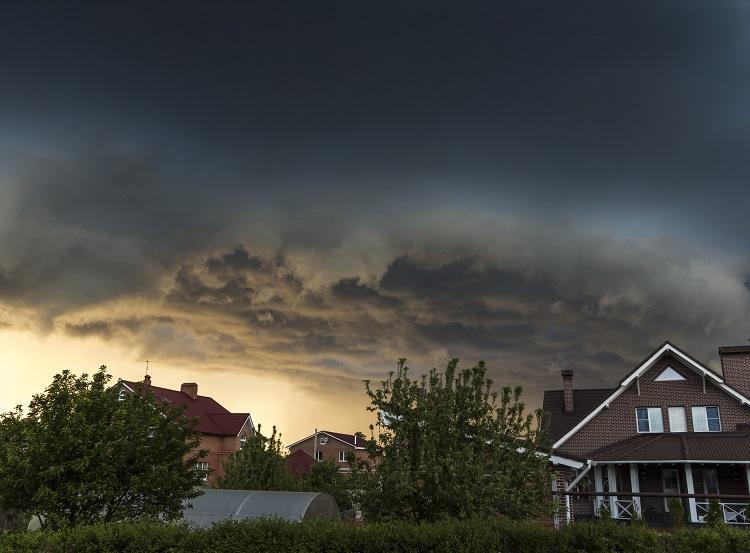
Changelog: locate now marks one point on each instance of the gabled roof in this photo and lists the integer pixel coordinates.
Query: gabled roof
(299, 463)
(584, 401)
(349, 439)
(212, 417)
(683, 446)
(665, 349)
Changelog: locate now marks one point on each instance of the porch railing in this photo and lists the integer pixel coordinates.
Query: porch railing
(625, 509)
(733, 513)
(735, 509)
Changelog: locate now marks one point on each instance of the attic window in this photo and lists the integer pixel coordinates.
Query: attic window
(323, 440)
(669, 374)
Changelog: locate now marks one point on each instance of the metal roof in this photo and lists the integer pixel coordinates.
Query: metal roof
(678, 446)
(217, 505)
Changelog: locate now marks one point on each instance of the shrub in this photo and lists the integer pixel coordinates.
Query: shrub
(470, 536)
(714, 517)
(678, 512)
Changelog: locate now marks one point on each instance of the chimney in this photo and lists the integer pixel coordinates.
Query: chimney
(146, 381)
(735, 365)
(190, 388)
(567, 375)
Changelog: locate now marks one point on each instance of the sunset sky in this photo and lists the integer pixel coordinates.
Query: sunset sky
(279, 199)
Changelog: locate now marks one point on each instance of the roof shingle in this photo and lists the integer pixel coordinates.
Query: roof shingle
(212, 417)
(584, 401)
(723, 446)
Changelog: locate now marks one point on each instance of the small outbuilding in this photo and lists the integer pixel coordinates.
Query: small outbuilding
(217, 505)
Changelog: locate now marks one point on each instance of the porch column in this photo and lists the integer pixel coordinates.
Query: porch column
(691, 489)
(612, 479)
(635, 487)
(598, 486)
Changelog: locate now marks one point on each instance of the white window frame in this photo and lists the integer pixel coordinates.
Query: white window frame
(651, 420)
(203, 465)
(122, 395)
(342, 456)
(243, 440)
(323, 440)
(669, 374)
(702, 411)
(670, 410)
(318, 455)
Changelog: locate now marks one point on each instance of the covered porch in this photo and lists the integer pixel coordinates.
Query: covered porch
(642, 476)
(649, 490)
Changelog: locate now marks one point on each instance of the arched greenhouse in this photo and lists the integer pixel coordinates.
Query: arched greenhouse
(217, 505)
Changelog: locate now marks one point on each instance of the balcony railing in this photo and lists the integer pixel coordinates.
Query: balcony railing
(625, 509)
(733, 513)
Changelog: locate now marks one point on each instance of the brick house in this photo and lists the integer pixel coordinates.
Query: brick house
(324, 445)
(671, 425)
(222, 433)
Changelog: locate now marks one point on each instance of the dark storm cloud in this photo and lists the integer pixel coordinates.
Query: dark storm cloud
(582, 318)
(542, 185)
(644, 97)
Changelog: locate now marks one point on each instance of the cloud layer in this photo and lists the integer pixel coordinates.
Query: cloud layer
(309, 194)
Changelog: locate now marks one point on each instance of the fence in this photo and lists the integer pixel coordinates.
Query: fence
(735, 509)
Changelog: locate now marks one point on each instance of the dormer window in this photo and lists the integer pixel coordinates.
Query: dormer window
(706, 419)
(649, 419)
(669, 375)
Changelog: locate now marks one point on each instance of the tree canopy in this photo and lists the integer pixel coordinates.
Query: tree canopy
(447, 446)
(259, 465)
(81, 454)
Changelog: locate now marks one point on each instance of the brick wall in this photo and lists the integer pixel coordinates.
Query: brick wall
(736, 369)
(619, 421)
(330, 450)
(219, 449)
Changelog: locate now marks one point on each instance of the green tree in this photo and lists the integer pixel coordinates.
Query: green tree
(326, 478)
(448, 446)
(259, 465)
(80, 455)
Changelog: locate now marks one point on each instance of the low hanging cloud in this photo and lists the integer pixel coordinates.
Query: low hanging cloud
(243, 311)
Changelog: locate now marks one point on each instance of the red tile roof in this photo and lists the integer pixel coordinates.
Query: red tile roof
(212, 417)
(299, 462)
(349, 439)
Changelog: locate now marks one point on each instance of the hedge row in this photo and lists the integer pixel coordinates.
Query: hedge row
(318, 537)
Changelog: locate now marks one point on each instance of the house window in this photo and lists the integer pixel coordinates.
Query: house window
(318, 455)
(706, 419)
(203, 467)
(323, 440)
(649, 419)
(677, 422)
(121, 395)
(669, 375)
(243, 440)
(342, 456)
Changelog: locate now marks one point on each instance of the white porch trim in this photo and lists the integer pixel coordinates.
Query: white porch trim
(612, 487)
(635, 487)
(691, 490)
